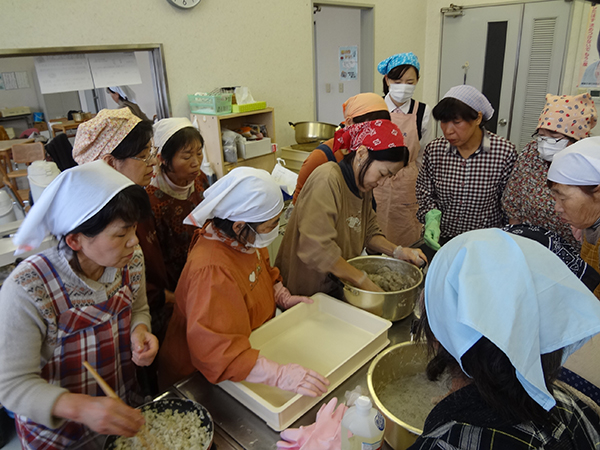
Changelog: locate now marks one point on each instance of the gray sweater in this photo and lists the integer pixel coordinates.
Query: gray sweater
(28, 337)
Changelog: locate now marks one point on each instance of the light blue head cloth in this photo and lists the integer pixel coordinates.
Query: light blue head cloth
(472, 97)
(399, 59)
(516, 293)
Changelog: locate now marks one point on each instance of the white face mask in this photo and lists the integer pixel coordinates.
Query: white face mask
(262, 240)
(548, 147)
(401, 93)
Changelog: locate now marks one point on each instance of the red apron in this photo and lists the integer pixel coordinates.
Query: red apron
(396, 197)
(99, 334)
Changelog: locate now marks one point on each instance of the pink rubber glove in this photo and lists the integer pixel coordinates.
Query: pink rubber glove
(291, 377)
(285, 300)
(324, 434)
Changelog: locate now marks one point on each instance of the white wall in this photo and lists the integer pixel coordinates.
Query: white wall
(19, 97)
(266, 44)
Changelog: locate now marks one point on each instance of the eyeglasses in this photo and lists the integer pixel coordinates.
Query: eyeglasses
(150, 157)
(547, 139)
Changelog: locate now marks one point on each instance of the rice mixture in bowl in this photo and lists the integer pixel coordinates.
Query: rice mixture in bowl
(177, 424)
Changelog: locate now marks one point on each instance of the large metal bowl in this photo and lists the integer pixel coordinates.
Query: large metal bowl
(307, 132)
(394, 305)
(179, 405)
(401, 360)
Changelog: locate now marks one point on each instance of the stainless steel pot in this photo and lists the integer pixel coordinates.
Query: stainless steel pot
(307, 132)
(399, 361)
(393, 305)
(177, 405)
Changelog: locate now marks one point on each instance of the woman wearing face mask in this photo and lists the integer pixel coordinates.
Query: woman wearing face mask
(564, 120)
(396, 199)
(228, 288)
(334, 219)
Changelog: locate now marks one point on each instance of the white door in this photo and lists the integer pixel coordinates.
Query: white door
(513, 54)
(480, 49)
(335, 28)
(541, 61)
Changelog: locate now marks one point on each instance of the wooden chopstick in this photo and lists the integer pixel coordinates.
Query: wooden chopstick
(144, 432)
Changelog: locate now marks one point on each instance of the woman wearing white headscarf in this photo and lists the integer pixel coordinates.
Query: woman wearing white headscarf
(83, 300)
(503, 345)
(574, 180)
(125, 98)
(228, 288)
(464, 173)
(176, 190)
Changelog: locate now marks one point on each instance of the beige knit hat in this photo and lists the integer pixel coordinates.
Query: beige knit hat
(102, 134)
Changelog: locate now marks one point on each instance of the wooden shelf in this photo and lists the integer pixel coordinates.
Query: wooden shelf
(211, 127)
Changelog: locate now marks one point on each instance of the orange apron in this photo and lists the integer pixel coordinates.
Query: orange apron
(589, 253)
(396, 197)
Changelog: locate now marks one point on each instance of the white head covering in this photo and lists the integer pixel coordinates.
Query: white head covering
(165, 128)
(125, 92)
(578, 164)
(245, 193)
(516, 293)
(472, 97)
(73, 197)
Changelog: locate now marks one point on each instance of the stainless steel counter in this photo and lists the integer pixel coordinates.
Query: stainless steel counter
(246, 429)
(236, 427)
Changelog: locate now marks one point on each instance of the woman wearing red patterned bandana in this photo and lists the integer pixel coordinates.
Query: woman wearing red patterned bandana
(334, 219)
(82, 300)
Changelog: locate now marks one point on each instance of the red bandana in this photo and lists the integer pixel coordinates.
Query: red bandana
(375, 135)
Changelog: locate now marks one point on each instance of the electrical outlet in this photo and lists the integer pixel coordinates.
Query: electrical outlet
(328, 87)
(341, 87)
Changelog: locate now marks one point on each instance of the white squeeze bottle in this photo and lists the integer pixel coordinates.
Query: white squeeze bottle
(362, 426)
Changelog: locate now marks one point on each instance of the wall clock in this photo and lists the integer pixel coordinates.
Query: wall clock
(184, 4)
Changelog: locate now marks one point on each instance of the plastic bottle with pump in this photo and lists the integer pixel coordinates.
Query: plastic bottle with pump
(362, 426)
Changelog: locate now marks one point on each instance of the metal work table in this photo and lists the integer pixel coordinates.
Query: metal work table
(236, 427)
(248, 430)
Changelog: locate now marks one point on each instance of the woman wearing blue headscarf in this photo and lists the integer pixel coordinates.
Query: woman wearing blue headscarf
(396, 198)
(503, 343)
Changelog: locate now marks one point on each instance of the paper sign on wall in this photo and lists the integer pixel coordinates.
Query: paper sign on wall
(114, 69)
(349, 63)
(63, 73)
(590, 64)
(10, 81)
(22, 80)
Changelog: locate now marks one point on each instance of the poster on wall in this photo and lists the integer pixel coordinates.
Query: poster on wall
(349, 63)
(63, 73)
(114, 69)
(590, 64)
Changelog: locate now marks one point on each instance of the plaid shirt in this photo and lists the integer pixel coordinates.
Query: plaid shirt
(468, 191)
(462, 421)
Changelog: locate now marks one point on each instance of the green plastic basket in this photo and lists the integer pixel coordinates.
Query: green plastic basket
(211, 104)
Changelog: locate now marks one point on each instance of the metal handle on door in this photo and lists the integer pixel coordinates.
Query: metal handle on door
(502, 122)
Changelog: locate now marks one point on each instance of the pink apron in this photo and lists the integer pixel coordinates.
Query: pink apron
(396, 198)
(98, 334)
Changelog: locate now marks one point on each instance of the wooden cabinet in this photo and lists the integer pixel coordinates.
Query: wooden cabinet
(210, 128)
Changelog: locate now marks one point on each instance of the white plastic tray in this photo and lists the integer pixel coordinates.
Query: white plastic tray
(329, 336)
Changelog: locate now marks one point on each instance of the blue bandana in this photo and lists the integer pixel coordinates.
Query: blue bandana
(400, 59)
(516, 293)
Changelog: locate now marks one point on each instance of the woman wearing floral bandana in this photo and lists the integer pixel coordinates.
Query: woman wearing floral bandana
(334, 219)
(564, 120)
